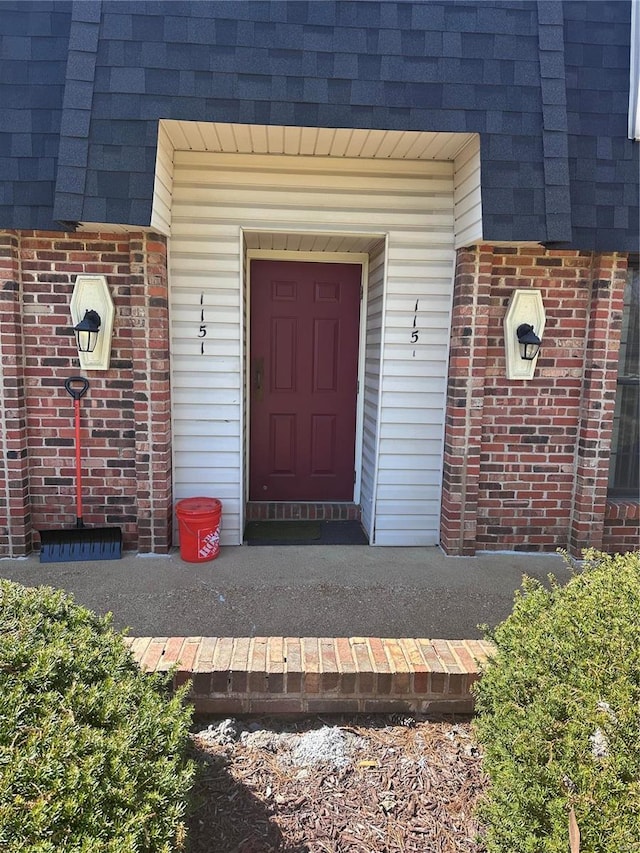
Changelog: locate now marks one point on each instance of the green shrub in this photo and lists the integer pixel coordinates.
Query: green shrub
(558, 714)
(92, 752)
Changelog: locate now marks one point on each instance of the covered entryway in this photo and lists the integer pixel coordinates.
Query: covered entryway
(391, 205)
(304, 374)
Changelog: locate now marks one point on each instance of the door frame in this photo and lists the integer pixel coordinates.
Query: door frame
(360, 258)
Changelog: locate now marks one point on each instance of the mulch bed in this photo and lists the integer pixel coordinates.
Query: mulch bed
(336, 785)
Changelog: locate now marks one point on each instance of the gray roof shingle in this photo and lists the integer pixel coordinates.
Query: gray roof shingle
(544, 83)
(33, 55)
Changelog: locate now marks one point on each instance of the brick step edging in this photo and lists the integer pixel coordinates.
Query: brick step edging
(293, 675)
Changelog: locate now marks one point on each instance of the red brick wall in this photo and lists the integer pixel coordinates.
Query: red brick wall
(465, 399)
(15, 518)
(125, 413)
(526, 462)
(621, 526)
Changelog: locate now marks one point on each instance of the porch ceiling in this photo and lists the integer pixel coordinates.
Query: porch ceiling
(278, 241)
(313, 141)
(222, 138)
(401, 152)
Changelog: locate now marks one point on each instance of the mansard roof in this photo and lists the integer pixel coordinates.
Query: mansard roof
(545, 84)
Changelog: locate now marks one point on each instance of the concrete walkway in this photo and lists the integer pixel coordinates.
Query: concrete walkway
(310, 591)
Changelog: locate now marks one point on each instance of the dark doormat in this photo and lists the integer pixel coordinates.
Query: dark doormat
(305, 533)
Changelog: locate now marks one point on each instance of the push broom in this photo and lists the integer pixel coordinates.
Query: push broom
(80, 542)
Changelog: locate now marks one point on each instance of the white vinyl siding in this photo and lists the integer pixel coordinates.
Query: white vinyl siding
(373, 363)
(467, 195)
(207, 388)
(328, 203)
(245, 371)
(413, 390)
(163, 183)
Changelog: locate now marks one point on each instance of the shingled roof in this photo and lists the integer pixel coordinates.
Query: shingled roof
(543, 83)
(34, 39)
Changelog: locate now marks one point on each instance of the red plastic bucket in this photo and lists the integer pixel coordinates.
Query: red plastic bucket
(199, 526)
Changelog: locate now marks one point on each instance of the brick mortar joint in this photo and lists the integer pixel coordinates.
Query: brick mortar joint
(590, 393)
(621, 508)
(140, 646)
(18, 532)
(139, 244)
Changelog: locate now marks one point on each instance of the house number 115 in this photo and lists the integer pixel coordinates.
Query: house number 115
(202, 333)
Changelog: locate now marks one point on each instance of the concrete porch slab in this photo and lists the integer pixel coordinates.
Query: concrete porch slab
(297, 591)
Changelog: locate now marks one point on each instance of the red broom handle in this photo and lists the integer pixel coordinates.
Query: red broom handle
(77, 386)
(76, 404)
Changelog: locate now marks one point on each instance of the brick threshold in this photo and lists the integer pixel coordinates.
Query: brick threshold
(302, 675)
(301, 511)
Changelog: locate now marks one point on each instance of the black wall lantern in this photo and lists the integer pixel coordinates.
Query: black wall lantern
(92, 317)
(528, 342)
(524, 313)
(87, 331)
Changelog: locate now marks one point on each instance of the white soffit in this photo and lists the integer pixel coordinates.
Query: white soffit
(290, 241)
(313, 141)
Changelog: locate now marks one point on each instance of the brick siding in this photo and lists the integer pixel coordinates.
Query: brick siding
(301, 511)
(126, 412)
(293, 675)
(526, 462)
(621, 526)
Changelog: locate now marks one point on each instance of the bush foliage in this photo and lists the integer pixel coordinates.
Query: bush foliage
(558, 714)
(92, 751)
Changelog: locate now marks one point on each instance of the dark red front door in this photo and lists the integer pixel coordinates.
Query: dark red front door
(304, 373)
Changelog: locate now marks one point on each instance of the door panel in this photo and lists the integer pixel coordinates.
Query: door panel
(304, 370)
(282, 444)
(323, 444)
(284, 335)
(326, 355)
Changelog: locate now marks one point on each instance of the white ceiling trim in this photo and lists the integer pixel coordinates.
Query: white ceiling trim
(306, 242)
(227, 138)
